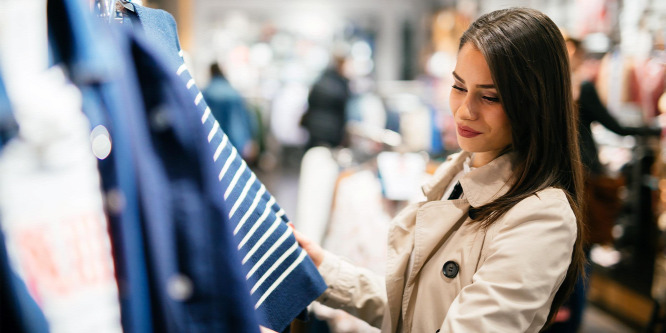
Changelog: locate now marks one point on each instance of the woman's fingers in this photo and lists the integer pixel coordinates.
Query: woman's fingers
(266, 330)
(313, 249)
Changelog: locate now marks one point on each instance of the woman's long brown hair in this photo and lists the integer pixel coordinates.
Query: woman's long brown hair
(529, 65)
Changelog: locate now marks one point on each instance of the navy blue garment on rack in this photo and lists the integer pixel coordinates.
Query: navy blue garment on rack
(177, 265)
(283, 279)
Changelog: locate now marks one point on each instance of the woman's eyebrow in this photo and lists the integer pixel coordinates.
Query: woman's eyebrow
(484, 86)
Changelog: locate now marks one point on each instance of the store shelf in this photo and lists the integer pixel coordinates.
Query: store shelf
(620, 301)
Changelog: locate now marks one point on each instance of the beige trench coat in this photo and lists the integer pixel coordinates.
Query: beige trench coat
(508, 273)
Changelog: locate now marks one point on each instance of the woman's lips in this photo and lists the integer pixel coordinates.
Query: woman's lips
(467, 132)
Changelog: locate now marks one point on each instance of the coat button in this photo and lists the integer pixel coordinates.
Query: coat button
(450, 269)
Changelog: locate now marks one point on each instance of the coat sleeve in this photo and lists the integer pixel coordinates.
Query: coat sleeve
(356, 290)
(526, 262)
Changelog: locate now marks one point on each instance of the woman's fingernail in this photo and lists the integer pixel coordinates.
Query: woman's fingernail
(291, 225)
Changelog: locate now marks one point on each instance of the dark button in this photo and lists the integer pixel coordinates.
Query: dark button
(450, 269)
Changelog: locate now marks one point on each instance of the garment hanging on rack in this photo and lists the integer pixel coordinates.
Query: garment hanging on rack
(316, 185)
(103, 75)
(18, 310)
(163, 214)
(357, 231)
(52, 212)
(277, 269)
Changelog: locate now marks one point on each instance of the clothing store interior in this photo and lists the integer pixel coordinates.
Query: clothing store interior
(201, 132)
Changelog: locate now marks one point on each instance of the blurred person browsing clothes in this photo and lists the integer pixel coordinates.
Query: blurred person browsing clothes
(592, 109)
(496, 246)
(325, 116)
(600, 190)
(229, 108)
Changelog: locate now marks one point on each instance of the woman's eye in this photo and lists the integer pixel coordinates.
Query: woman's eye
(491, 99)
(458, 88)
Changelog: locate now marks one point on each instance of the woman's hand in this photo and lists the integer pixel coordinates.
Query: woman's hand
(313, 249)
(266, 330)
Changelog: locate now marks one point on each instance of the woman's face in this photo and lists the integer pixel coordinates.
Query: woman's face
(482, 125)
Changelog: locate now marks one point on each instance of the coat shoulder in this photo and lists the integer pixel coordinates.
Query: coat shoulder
(550, 204)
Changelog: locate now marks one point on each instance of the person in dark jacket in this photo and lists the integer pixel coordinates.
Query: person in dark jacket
(325, 116)
(590, 109)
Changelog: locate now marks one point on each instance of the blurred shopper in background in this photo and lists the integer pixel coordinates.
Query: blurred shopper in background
(325, 117)
(229, 108)
(592, 109)
(497, 245)
(600, 190)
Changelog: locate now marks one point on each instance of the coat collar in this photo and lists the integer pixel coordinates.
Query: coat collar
(481, 185)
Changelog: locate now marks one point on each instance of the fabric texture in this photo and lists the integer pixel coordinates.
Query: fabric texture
(506, 276)
(282, 278)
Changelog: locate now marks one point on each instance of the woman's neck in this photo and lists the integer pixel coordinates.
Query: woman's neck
(481, 159)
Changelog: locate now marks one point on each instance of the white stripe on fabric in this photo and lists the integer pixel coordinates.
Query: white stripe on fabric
(239, 172)
(198, 99)
(190, 83)
(205, 115)
(280, 279)
(230, 159)
(181, 69)
(268, 253)
(216, 127)
(241, 198)
(180, 53)
(262, 240)
(280, 213)
(220, 148)
(254, 228)
(275, 265)
(260, 193)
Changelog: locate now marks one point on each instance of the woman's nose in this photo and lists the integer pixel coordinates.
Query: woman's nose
(467, 110)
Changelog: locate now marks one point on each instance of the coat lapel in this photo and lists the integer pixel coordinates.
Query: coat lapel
(436, 221)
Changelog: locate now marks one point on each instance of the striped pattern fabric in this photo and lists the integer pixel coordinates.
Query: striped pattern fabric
(282, 278)
(270, 254)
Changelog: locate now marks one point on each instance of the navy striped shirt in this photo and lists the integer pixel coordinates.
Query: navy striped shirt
(282, 278)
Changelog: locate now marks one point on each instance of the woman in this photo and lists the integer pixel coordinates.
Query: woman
(504, 254)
